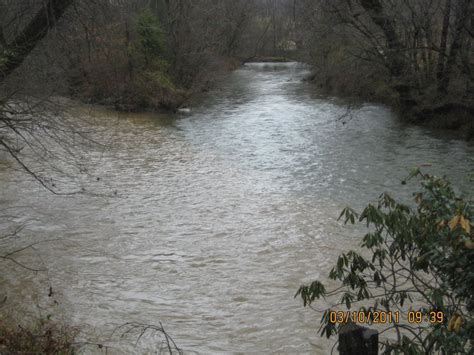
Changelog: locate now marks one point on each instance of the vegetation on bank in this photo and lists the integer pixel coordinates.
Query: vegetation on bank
(141, 77)
(45, 337)
(416, 267)
(157, 54)
(414, 55)
(133, 55)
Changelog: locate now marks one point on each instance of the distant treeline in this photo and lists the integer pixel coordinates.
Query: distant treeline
(416, 55)
(141, 54)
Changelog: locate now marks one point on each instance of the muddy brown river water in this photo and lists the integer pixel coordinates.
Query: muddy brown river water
(213, 218)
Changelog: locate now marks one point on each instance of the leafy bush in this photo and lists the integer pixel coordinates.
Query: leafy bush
(412, 259)
(131, 72)
(151, 43)
(154, 89)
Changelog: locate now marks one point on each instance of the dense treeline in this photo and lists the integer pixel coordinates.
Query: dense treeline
(143, 54)
(416, 54)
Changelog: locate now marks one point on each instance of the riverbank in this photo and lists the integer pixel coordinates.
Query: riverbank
(259, 59)
(447, 116)
(160, 95)
(157, 90)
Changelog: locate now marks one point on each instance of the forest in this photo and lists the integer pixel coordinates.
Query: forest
(204, 149)
(135, 55)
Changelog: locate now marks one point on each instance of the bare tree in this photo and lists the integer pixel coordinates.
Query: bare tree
(412, 53)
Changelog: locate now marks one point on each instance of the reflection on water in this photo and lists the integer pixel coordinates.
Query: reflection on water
(220, 214)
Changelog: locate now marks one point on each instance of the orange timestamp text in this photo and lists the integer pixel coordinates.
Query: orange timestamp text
(385, 317)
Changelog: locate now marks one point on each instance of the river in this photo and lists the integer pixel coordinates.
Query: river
(213, 218)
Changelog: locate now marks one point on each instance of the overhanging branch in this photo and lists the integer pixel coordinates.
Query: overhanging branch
(45, 19)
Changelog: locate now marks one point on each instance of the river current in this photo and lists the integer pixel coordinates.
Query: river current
(208, 221)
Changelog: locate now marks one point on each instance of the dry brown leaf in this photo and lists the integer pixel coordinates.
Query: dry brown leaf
(454, 222)
(458, 324)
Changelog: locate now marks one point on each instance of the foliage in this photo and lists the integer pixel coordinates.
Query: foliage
(151, 41)
(418, 258)
(153, 88)
(151, 85)
(414, 55)
(4, 58)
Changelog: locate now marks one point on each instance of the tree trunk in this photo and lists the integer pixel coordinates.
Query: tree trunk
(396, 51)
(45, 19)
(3, 42)
(129, 57)
(462, 15)
(442, 46)
(274, 28)
(375, 10)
